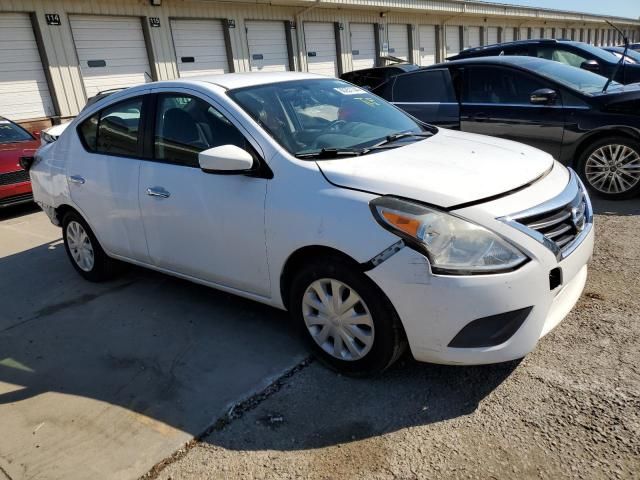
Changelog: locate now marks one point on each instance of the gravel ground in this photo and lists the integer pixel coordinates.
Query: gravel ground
(569, 409)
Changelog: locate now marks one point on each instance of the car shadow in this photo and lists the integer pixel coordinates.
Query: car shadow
(181, 354)
(621, 208)
(15, 211)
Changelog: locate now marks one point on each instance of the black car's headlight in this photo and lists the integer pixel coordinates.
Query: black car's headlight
(453, 245)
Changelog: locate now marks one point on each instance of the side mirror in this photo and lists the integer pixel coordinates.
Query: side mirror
(591, 66)
(225, 159)
(544, 96)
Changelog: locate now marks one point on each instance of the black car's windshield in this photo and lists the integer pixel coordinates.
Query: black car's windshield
(314, 117)
(12, 133)
(576, 78)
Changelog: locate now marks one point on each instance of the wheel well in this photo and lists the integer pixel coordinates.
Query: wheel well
(62, 210)
(302, 256)
(599, 135)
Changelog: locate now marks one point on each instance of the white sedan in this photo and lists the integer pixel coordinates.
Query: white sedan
(311, 195)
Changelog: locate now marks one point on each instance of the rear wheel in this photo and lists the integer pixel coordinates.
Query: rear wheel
(349, 323)
(610, 167)
(84, 251)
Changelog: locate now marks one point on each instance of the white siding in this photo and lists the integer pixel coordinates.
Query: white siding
(363, 45)
(267, 46)
(452, 39)
(199, 46)
(24, 93)
(492, 35)
(524, 33)
(548, 33)
(473, 37)
(398, 41)
(427, 34)
(320, 40)
(507, 33)
(118, 42)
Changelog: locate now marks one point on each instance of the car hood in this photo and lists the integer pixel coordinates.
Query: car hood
(619, 95)
(446, 170)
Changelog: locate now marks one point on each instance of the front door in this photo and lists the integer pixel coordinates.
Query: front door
(203, 225)
(496, 102)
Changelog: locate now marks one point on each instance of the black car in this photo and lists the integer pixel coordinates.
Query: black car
(576, 54)
(545, 104)
(632, 55)
(372, 77)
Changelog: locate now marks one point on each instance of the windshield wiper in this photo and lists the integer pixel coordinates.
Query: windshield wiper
(326, 153)
(395, 137)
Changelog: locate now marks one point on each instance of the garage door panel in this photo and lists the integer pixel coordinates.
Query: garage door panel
(473, 34)
(119, 43)
(200, 47)
(320, 44)
(363, 45)
(427, 35)
(267, 43)
(492, 35)
(452, 34)
(24, 91)
(398, 41)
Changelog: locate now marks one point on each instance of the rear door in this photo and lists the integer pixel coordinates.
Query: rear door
(496, 101)
(429, 96)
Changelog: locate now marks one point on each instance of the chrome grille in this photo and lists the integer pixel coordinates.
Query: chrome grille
(562, 225)
(14, 177)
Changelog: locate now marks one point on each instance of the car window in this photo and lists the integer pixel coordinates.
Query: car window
(11, 133)
(429, 86)
(562, 56)
(311, 115)
(114, 130)
(185, 126)
(499, 85)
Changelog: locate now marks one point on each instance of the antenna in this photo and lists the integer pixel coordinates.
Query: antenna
(622, 58)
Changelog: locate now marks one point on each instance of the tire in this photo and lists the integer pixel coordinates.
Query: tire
(599, 167)
(380, 344)
(84, 250)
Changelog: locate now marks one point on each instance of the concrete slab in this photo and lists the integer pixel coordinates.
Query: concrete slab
(105, 380)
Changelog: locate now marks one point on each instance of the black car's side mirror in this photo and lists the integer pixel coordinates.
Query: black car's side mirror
(590, 65)
(544, 96)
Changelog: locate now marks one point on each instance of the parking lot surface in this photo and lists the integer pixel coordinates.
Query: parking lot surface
(571, 409)
(105, 380)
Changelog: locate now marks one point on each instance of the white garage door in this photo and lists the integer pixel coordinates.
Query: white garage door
(200, 47)
(111, 52)
(363, 45)
(473, 37)
(524, 33)
(320, 42)
(398, 36)
(24, 93)
(427, 35)
(492, 35)
(267, 46)
(548, 33)
(507, 33)
(452, 39)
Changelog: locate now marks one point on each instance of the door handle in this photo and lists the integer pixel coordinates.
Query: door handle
(158, 192)
(77, 179)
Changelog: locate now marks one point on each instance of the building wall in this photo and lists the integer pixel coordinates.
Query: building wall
(61, 61)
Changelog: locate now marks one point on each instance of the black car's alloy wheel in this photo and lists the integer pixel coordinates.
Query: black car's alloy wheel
(611, 167)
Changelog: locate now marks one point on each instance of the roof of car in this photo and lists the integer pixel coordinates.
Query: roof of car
(524, 61)
(515, 43)
(249, 79)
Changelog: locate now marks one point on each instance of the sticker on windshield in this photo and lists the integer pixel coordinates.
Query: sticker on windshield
(349, 90)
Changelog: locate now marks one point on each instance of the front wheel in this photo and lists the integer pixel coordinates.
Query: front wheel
(610, 167)
(349, 323)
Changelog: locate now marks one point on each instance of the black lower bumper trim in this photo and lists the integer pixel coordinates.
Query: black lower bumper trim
(490, 331)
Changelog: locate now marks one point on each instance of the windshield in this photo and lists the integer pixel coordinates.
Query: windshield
(632, 55)
(307, 116)
(572, 77)
(598, 52)
(12, 133)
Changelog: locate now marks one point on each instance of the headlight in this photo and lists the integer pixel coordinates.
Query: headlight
(454, 246)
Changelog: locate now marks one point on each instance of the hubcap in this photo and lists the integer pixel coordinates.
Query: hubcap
(613, 168)
(80, 246)
(338, 319)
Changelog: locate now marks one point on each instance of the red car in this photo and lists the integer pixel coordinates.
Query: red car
(15, 142)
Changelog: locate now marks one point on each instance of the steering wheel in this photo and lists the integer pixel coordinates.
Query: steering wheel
(336, 125)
